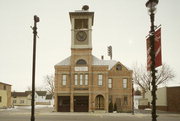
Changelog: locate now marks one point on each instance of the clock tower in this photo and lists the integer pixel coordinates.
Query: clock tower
(81, 28)
(81, 35)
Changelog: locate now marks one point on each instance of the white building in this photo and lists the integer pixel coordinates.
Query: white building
(50, 99)
(40, 97)
(137, 98)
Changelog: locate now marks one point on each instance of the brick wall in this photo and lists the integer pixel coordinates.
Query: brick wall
(173, 99)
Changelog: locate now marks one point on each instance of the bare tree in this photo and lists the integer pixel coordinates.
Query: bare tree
(142, 77)
(49, 83)
(37, 88)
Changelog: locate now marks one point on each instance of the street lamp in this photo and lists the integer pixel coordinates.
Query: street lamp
(36, 19)
(132, 97)
(151, 5)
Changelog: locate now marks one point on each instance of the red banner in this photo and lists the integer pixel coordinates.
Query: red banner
(148, 47)
(157, 49)
(158, 60)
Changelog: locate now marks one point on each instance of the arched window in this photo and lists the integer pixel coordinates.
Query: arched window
(118, 67)
(81, 62)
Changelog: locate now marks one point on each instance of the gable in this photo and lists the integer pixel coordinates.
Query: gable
(123, 68)
(41, 93)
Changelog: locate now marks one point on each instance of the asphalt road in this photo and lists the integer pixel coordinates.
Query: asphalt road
(46, 114)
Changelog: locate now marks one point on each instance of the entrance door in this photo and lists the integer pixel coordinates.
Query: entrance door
(64, 104)
(99, 102)
(81, 103)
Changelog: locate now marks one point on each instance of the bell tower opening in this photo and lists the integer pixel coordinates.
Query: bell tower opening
(81, 24)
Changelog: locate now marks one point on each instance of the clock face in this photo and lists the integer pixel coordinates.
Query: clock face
(81, 35)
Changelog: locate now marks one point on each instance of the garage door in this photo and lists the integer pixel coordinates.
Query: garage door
(64, 104)
(81, 103)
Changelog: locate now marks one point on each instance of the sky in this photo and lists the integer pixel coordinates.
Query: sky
(123, 24)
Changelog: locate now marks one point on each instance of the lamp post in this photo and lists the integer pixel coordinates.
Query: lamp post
(151, 5)
(132, 97)
(36, 19)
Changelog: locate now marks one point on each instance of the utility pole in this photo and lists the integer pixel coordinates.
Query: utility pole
(36, 19)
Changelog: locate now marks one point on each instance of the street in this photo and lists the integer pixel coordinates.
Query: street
(47, 114)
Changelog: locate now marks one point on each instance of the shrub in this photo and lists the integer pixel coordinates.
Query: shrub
(115, 107)
(110, 107)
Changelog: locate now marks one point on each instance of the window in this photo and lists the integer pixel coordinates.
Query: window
(86, 79)
(75, 79)
(81, 23)
(125, 100)
(14, 101)
(4, 87)
(81, 62)
(124, 83)
(0, 99)
(118, 67)
(110, 98)
(63, 79)
(110, 83)
(21, 101)
(81, 79)
(100, 79)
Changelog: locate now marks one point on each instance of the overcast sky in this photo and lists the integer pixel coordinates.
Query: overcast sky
(120, 23)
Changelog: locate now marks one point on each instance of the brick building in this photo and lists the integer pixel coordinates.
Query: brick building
(168, 99)
(84, 83)
(5, 95)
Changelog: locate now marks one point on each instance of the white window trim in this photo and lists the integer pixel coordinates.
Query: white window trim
(100, 80)
(86, 79)
(125, 81)
(75, 79)
(110, 83)
(81, 79)
(64, 79)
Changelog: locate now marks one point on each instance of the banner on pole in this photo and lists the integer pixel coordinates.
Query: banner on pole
(158, 56)
(157, 49)
(148, 47)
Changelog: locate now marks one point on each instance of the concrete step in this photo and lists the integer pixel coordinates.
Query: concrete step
(100, 111)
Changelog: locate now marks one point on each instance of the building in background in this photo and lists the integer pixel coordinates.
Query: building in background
(5, 95)
(50, 99)
(21, 98)
(84, 83)
(168, 99)
(137, 98)
(40, 98)
(24, 98)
